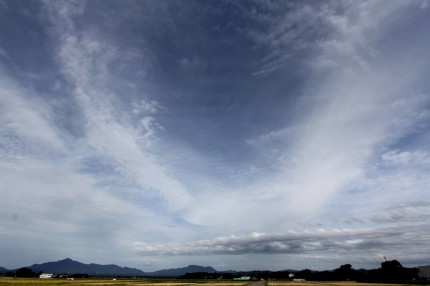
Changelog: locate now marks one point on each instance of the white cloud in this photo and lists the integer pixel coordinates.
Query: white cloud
(3, 53)
(334, 39)
(145, 106)
(334, 151)
(24, 116)
(339, 160)
(85, 58)
(62, 212)
(404, 157)
(362, 106)
(193, 65)
(307, 244)
(417, 212)
(287, 33)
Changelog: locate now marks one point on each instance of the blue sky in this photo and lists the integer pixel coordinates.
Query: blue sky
(236, 134)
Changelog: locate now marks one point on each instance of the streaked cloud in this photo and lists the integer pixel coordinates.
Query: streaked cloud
(170, 130)
(372, 242)
(404, 157)
(416, 212)
(25, 119)
(85, 60)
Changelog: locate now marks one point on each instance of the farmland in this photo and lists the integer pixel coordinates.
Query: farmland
(100, 282)
(163, 282)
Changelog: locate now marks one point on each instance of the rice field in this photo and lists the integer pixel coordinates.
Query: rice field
(111, 282)
(161, 282)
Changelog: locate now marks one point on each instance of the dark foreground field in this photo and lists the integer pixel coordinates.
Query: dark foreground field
(119, 281)
(158, 282)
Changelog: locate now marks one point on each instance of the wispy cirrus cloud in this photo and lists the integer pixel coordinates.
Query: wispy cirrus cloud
(43, 190)
(405, 157)
(360, 106)
(85, 58)
(325, 35)
(167, 123)
(25, 119)
(106, 167)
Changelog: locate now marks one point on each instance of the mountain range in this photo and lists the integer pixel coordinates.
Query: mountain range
(173, 272)
(70, 266)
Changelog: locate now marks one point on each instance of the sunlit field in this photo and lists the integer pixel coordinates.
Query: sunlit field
(162, 282)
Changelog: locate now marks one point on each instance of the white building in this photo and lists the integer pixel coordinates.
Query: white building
(45, 275)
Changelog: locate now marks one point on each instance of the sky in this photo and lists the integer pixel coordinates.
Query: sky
(234, 134)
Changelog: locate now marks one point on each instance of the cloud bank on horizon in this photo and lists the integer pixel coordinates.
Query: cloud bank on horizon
(156, 134)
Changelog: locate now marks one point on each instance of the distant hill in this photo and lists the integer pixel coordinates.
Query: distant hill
(229, 271)
(174, 272)
(74, 267)
(4, 270)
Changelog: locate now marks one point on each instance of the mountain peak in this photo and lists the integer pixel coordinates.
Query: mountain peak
(70, 266)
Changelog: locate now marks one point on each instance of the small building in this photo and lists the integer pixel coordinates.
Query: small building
(299, 280)
(45, 276)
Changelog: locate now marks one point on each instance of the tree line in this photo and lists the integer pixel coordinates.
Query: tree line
(390, 271)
